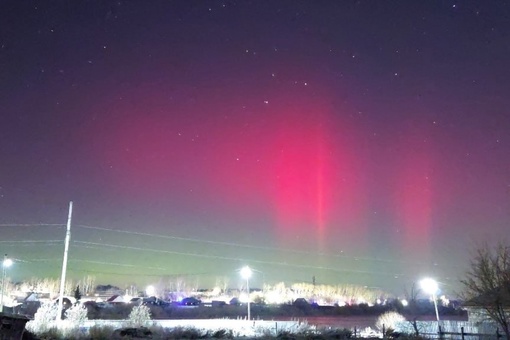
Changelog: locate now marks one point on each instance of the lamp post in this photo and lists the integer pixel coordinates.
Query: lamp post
(429, 286)
(246, 274)
(7, 262)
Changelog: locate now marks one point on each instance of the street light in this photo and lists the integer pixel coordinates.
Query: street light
(5, 264)
(429, 286)
(246, 274)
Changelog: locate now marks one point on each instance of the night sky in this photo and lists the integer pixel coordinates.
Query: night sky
(360, 142)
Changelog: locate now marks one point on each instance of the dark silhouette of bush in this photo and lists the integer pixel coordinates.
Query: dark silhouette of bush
(132, 332)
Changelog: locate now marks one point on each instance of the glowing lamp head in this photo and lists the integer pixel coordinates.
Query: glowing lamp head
(429, 286)
(7, 263)
(246, 272)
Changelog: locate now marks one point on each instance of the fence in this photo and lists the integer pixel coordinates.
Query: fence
(455, 330)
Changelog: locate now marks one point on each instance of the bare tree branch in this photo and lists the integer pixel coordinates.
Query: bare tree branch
(487, 284)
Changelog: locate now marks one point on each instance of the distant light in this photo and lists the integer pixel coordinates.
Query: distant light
(244, 298)
(7, 263)
(404, 302)
(150, 290)
(246, 272)
(444, 300)
(274, 297)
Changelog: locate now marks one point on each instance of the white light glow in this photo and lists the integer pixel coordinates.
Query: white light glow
(444, 300)
(273, 297)
(244, 298)
(429, 286)
(150, 290)
(246, 272)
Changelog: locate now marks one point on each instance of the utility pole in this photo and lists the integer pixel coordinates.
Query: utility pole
(64, 264)
(6, 263)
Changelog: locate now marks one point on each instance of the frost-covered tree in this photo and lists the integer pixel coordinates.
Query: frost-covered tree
(277, 293)
(44, 319)
(87, 284)
(76, 315)
(140, 316)
(389, 321)
(222, 283)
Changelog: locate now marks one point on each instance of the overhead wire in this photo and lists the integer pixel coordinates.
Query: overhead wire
(32, 241)
(188, 239)
(231, 258)
(32, 225)
(97, 245)
(248, 246)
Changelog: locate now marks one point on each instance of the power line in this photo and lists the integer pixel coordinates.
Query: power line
(33, 241)
(222, 243)
(116, 264)
(102, 245)
(42, 260)
(131, 274)
(95, 245)
(33, 225)
(240, 245)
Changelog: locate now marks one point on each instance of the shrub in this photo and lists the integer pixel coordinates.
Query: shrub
(140, 316)
(44, 319)
(221, 334)
(101, 332)
(185, 333)
(76, 315)
(50, 333)
(132, 333)
(159, 332)
(389, 321)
